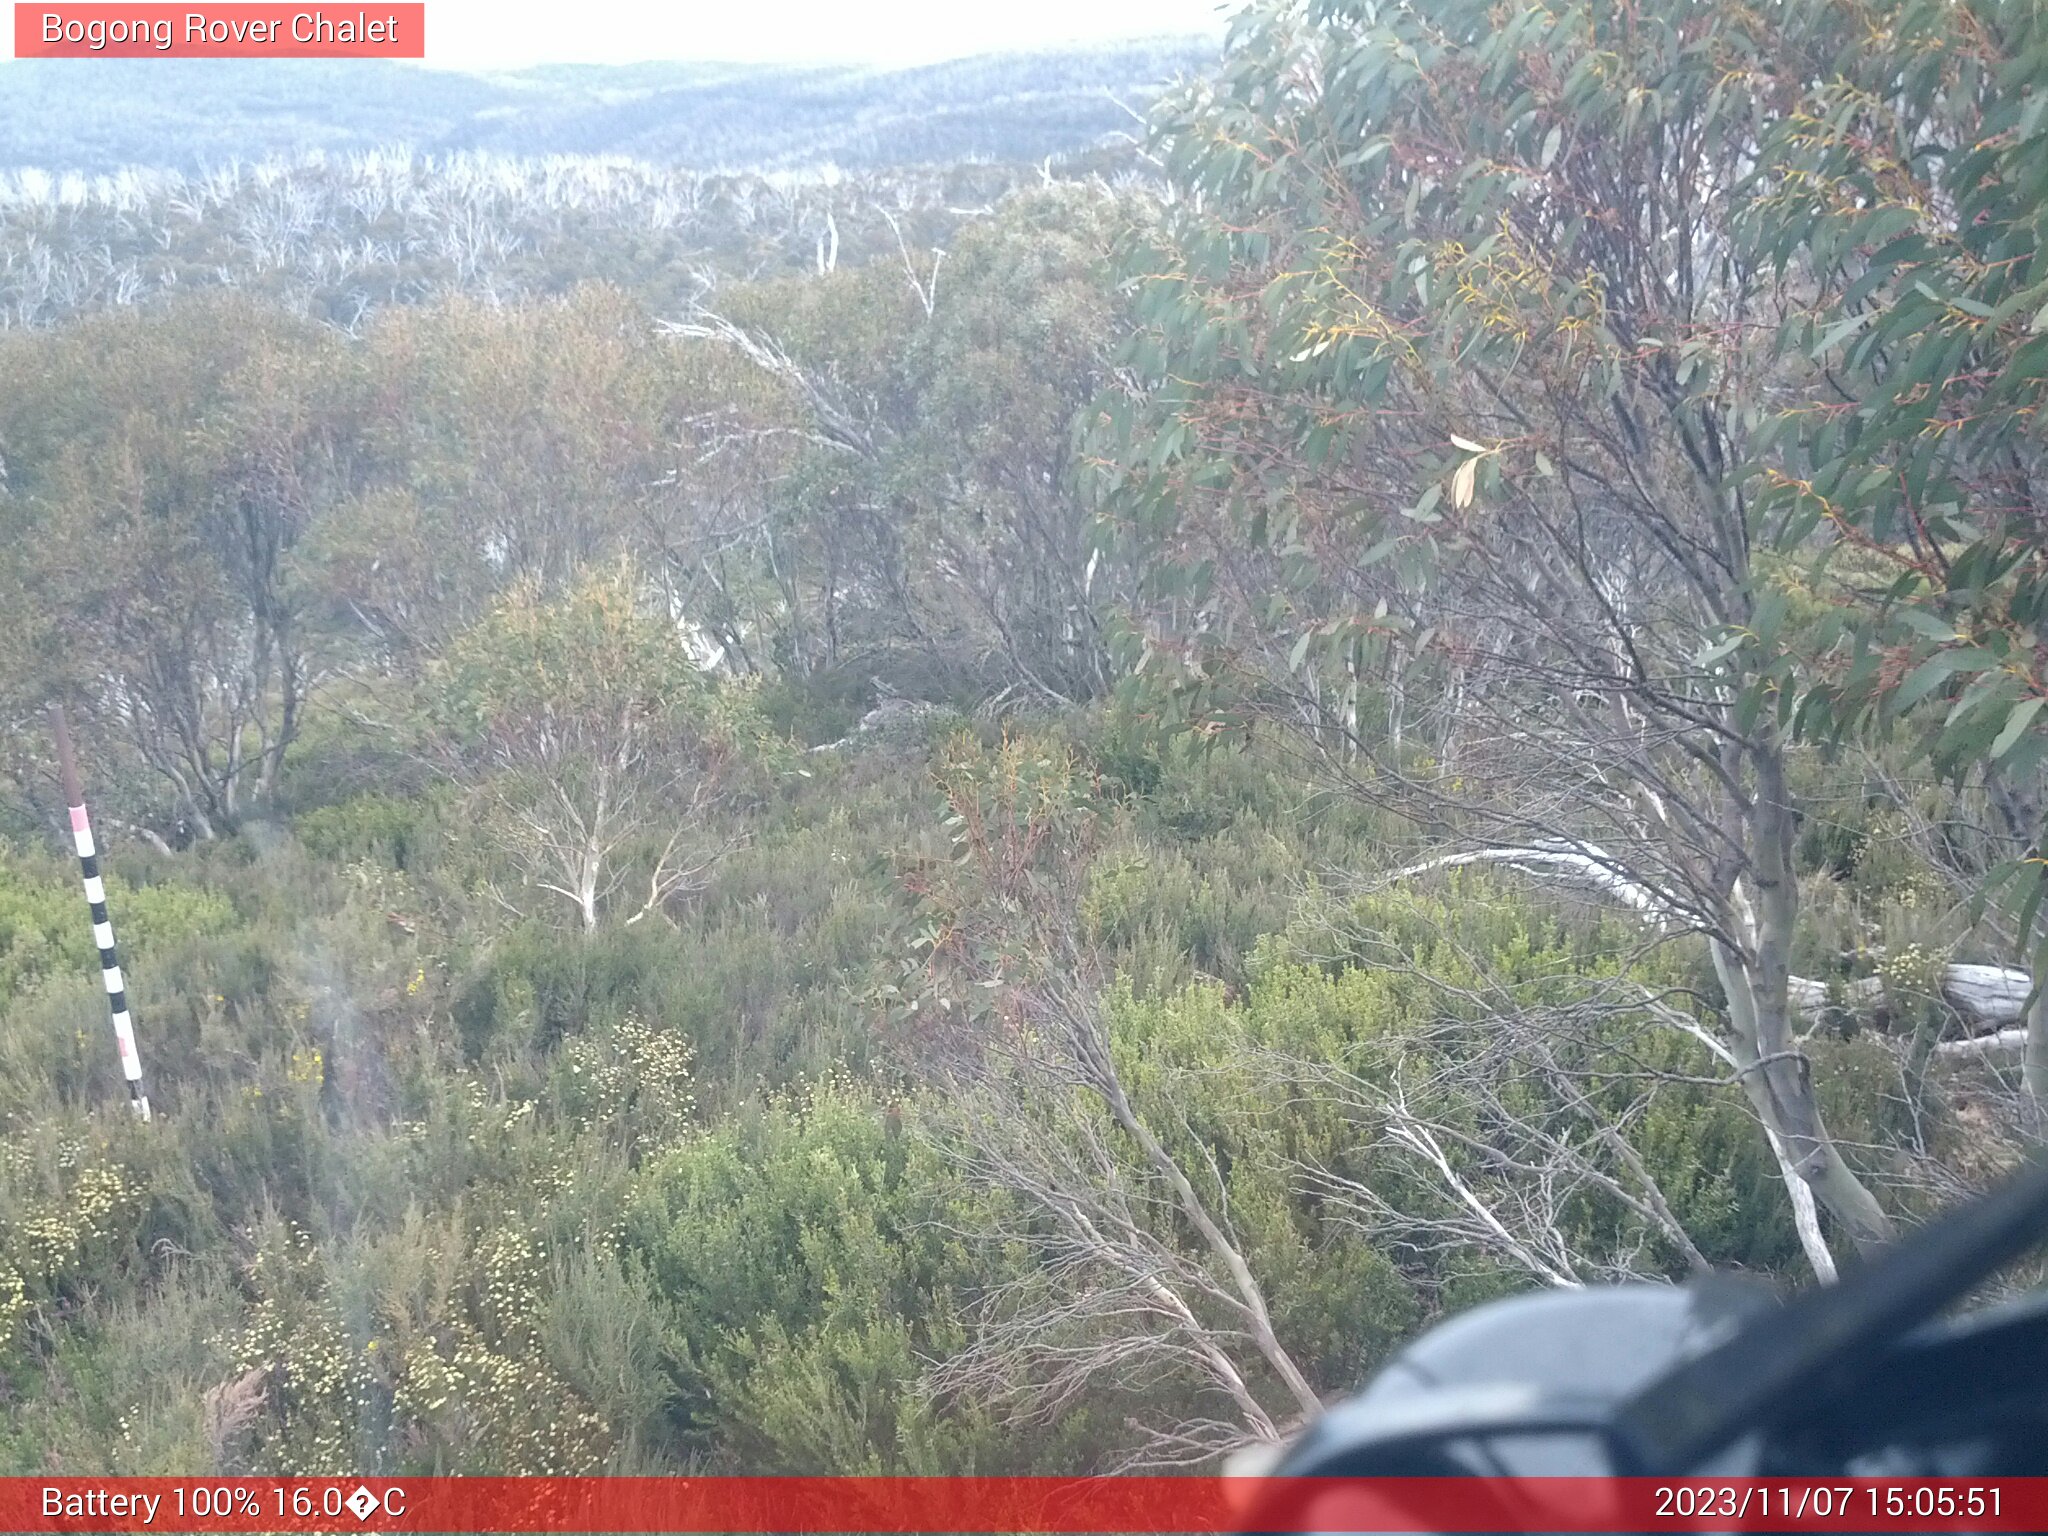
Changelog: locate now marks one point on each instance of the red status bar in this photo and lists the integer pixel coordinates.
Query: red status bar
(911, 1506)
(220, 31)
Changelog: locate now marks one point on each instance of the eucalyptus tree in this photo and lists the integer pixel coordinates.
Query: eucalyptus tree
(1434, 444)
(1903, 192)
(164, 471)
(592, 745)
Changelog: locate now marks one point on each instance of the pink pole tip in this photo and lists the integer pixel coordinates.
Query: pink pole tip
(78, 818)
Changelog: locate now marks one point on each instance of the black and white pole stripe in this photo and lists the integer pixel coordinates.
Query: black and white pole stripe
(102, 928)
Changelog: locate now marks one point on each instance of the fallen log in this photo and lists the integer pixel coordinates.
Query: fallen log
(1986, 997)
(1589, 865)
(1996, 1044)
(1983, 996)
(1987, 994)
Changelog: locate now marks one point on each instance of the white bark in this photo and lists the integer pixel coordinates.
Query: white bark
(1589, 864)
(1996, 1044)
(1805, 1214)
(1805, 1210)
(1985, 995)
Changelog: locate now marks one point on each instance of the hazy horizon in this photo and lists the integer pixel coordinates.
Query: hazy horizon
(472, 35)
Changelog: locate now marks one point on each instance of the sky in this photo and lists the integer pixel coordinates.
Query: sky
(506, 34)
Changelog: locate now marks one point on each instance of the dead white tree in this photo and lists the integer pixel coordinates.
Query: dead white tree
(926, 288)
(1142, 1274)
(580, 730)
(1484, 1140)
(580, 829)
(1503, 1120)
(828, 246)
(1116, 1291)
(838, 423)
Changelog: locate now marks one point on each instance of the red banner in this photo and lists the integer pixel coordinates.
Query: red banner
(232, 31)
(912, 1506)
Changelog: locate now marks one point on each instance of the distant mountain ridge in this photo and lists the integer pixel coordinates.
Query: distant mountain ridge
(192, 114)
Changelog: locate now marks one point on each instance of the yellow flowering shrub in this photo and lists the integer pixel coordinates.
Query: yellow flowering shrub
(66, 1206)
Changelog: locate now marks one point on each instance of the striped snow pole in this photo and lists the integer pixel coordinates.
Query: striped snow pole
(102, 929)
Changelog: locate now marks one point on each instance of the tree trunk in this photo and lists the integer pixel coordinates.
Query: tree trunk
(1248, 1289)
(1780, 1087)
(2035, 1062)
(1775, 1073)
